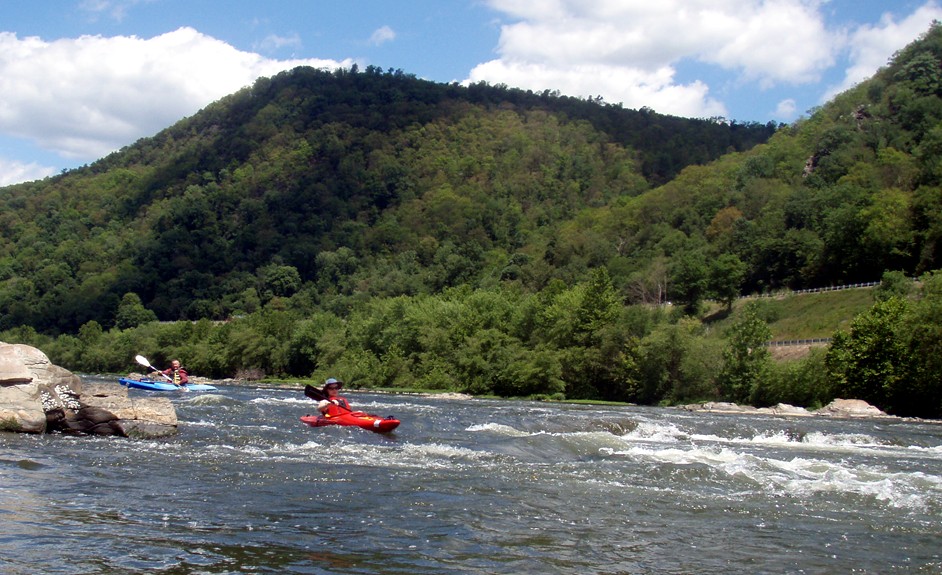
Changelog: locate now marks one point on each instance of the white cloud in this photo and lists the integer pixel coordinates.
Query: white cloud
(773, 43)
(85, 97)
(274, 42)
(633, 87)
(872, 46)
(786, 109)
(13, 172)
(628, 50)
(382, 35)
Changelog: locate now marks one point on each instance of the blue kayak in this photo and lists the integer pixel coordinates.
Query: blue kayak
(157, 385)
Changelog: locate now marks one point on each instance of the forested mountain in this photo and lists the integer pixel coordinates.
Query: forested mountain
(836, 198)
(346, 183)
(487, 240)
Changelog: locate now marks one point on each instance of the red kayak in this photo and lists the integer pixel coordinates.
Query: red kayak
(356, 418)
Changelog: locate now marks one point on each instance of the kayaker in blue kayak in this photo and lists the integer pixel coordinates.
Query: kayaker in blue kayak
(176, 373)
(334, 404)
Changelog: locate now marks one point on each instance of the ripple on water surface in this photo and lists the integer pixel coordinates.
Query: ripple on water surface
(474, 486)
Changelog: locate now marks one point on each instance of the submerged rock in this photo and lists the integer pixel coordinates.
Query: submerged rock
(37, 396)
(719, 407)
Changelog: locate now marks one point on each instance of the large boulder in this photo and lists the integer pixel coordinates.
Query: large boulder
(851, 408)
(22, 368)
(109, 404)
(37, 396)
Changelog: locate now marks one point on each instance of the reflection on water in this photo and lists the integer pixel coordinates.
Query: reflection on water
(475, 486)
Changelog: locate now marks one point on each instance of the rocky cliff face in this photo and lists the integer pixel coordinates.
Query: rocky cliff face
(39, 397)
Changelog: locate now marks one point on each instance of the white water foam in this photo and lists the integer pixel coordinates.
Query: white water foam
(303, 448)
(197, 423)
(899, 490)
(860, 443)
(443, 452)
(391, 406)
(798, 476)
(657, 432)
(499, 429)
(281, 401)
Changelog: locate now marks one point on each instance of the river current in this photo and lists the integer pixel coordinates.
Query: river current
(477, 487)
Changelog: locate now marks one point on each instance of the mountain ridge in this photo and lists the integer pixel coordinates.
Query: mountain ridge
(308, 156)
(332, 187)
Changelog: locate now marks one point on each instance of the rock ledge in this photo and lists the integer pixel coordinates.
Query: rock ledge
(39, 397)
(846, 408)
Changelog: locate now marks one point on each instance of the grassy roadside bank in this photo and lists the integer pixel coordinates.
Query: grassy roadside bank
(798, 316)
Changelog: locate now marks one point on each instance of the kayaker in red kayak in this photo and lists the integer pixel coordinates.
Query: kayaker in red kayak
(335, 410)
(334, 405)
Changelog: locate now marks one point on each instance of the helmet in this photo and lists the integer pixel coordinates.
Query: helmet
(331, 382)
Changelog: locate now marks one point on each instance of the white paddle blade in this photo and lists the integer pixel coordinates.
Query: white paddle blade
(143, 361)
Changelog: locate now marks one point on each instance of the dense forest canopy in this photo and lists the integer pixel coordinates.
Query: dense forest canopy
(493, 240)
(369, 182)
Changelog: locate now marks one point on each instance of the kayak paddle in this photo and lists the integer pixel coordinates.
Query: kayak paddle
(314, 393)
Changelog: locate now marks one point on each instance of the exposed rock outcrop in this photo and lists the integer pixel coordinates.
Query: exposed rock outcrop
(37, 396)
(851, 408)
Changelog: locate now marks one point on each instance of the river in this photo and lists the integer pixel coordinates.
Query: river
(476, 487)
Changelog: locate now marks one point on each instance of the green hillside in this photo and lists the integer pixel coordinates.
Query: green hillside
(333, 186)
(493, 240)
(835, 199)
(815, 315)
(794, 316)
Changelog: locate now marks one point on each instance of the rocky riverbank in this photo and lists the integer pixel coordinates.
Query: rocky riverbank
(37, 396)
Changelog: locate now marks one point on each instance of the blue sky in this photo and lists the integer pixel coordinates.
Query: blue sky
(82, 78)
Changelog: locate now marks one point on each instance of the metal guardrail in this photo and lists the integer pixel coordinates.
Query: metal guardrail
(787, 342)
(812, 290)
(837, 288)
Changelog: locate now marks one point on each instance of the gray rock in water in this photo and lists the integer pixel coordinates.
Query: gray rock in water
(838, 408)
(851, 408)
(39, 397)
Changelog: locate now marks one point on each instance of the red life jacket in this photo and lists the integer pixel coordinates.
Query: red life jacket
(334, 410)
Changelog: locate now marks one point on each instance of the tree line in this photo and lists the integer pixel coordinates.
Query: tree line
(568, 342)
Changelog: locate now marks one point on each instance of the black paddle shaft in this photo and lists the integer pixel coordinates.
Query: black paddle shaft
(314, 393)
